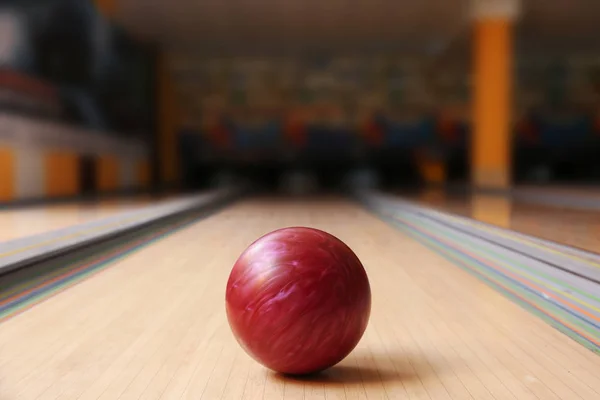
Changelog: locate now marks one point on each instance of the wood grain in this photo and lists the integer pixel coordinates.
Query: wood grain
(154, 327)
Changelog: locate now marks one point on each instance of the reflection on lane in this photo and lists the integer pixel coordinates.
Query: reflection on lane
(589, 192)
(494, 210)
(577, 228)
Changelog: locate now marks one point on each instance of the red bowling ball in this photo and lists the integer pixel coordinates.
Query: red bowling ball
(298, 300)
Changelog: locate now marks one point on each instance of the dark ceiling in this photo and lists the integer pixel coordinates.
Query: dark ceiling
(296, 25)
(288, 26)
(437, 30)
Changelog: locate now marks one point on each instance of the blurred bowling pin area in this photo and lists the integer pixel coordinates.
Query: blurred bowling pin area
(453, 145)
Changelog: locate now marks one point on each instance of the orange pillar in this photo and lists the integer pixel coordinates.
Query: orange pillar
(107, 173)
(167, 125)
(61, 174)
(7, 174)
(492, 97)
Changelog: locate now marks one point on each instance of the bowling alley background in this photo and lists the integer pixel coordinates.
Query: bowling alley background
(383, 110)
(88, 109)
(76, 102)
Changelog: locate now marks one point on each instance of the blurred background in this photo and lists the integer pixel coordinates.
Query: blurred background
(115, 96)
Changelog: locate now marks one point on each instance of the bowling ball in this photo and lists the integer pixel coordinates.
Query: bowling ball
(298, 300)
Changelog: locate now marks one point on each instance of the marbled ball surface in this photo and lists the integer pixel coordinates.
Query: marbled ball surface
(298, 300)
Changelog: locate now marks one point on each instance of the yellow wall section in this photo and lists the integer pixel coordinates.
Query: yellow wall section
(492, 98)
(61, 170)
(108, 173)
(7, 174)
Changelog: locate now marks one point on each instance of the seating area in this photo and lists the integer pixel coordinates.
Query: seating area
(539, 139)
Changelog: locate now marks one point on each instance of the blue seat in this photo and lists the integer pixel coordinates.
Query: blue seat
(409, 134)
(266, 137)
(564, 132)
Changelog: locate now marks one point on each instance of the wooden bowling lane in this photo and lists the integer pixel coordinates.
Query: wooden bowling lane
(152, 325)
(579, 228)
(21, 222)
(589, 191)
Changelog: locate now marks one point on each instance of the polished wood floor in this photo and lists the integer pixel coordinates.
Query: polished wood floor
(565, 225)
(589, 191)
(153, 326)
(17, 223)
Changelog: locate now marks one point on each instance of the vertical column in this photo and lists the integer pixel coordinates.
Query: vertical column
(108, 173)
(61, 169)
(493, 56)
(167, 124)
(7, 174)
